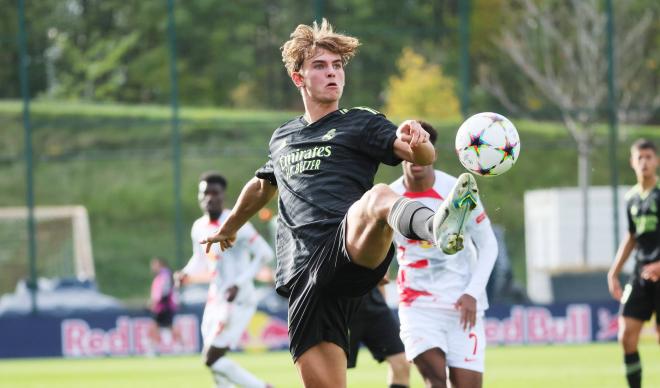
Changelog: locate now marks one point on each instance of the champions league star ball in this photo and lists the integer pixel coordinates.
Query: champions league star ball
(487, 144)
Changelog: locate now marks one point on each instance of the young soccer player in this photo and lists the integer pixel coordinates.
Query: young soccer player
(375, 326)
(443, 297)
(641, 296)
(334, 234)
(231, 301)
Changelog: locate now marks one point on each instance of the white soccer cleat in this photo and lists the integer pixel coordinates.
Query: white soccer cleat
(450, 218)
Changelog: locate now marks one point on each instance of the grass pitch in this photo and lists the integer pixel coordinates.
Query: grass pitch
(598, 365)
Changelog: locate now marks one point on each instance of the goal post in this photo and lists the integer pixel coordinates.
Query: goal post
(64, 246)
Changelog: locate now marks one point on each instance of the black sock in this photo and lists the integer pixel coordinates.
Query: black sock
(411, 219)
(398, 386)
(633, 370)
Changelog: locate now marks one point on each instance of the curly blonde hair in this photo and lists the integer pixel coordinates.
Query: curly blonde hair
(305, 40)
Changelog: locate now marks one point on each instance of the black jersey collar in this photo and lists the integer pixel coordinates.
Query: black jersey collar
(324, 118)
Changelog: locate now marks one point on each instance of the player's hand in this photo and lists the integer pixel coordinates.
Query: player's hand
(180, 278)
(226, 240)
(651, 272)
(467, 305)
(614, 286)
(411, 132)
(231, 293)
(383, 281)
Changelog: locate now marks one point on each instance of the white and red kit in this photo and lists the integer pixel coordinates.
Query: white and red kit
(224, 322)
(430, 282)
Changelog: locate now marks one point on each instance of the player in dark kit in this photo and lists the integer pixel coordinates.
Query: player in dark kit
(335, 228)
(641, 296)
(375, 326)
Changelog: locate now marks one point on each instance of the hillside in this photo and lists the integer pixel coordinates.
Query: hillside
(116, 161)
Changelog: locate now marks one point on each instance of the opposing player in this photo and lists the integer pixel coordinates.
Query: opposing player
(443, 297)
(334, 234)
(231, 301)
(641, 296)
(163, 306)
(375, 326)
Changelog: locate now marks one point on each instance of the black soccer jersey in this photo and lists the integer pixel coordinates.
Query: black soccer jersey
(642, 210)
(320, 170)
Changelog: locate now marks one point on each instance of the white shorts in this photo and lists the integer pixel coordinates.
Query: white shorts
(426, 328)
(223, 323)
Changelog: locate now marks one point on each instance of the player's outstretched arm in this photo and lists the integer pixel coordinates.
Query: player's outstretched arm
(413, 145)
(255, 195)
(196, 270)
(182, 278)
(622, 254)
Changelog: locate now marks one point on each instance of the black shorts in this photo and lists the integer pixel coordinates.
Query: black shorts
(164, 318)
(641, 298)
(323, 296)
(376, 327)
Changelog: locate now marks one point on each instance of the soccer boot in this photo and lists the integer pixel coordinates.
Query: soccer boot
(450, 218)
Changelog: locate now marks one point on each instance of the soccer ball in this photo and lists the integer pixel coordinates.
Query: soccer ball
(487, 144)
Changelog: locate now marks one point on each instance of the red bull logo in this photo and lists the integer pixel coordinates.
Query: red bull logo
(265, 332)
(537, 325)
(130, 336)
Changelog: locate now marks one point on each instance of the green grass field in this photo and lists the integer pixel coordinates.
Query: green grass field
(567, 366)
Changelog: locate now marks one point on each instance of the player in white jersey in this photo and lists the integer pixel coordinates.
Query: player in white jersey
(442, 297)
(231, 300)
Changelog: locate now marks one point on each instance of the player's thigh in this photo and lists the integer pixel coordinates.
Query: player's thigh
(638, 300)
(629, 331)
(213, 322)
(368, 235)
(323, 365)
(238, 319)
(467, 349)
(316, 316)
(465, 378)
(421, 329)
(382, 337)
(354, 280)
(432, 365)
(356, 328)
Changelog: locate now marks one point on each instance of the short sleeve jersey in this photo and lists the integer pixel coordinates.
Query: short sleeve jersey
(226, 267)
(320, 170)
(642, 211)
(427, 277)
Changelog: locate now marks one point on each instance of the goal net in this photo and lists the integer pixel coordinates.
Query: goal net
(63, 244)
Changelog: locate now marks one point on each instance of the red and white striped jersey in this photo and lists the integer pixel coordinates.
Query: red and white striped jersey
(428, 277)
(235, 266)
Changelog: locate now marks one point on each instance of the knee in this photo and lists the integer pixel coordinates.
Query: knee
(436, 382)
(212, 355)
(377, 198)
(381, 190)
(400, 367)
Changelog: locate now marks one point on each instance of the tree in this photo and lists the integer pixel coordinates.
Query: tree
(421, 90)
(93, 74)
(559, 47)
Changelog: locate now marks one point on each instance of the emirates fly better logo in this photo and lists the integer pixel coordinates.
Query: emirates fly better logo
(303, 160)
